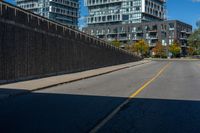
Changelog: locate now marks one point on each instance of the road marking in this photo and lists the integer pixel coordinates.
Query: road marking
(149, 82)
(115, 111)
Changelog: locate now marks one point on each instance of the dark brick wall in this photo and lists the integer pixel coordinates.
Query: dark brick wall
(32, 47)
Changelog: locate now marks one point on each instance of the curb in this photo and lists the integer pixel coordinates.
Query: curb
(172, 59)
(82, 78)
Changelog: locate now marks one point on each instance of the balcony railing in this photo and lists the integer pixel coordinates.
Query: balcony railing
(188, 32)
(183, 38)
(123, 38)
(137, 38)
(100, 33)
(152, 37)
(183, 31)
(122, 32)
(152, 31)
(139, 31)
(102, 2)
(152, 44)
(112, 33)
(171, 28)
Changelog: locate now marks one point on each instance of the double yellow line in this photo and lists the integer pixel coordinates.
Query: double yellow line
(116, 110)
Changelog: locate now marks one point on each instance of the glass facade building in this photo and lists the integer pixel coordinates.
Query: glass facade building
(124, 11)
(62, 11)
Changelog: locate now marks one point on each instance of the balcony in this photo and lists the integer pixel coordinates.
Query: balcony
(188, 32)
(152, 37)
(152, 31)
(64, 12)
(112, 33)
(183, 38)
(101, 21)
(162, 1)
(137, 38)
(103, 2)
(171, 29)
(111, 39)
(183, 31)
(139, 31)
(122, 32)
(100, 33)
(123, 38)
(66, 3)
(152, 44)
(100, 36)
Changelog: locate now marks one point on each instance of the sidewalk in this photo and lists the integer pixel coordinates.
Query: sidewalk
(20, 88)
(172, 59)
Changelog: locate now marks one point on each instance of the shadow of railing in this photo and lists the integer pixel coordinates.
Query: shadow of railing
(41, 112)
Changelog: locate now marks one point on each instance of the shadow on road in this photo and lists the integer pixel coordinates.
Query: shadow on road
(143, 115)
(66, 113)
(7, 92)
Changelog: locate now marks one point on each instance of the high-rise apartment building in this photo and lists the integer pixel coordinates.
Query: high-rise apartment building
(102, 12)
(129, 21)
(62, 11)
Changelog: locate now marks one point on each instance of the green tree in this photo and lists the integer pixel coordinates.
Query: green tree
(116, 43)
(140, 47)
(175, 49)
(194, 40)
(159, 50)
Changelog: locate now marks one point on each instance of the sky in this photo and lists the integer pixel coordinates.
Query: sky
(187, 11)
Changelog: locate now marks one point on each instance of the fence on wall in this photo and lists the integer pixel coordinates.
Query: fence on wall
(32, 46)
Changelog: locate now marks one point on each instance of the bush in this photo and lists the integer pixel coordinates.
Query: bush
(196, 52)
(175, 49)
(160, 56)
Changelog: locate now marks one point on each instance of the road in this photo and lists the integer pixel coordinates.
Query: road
(158, 97)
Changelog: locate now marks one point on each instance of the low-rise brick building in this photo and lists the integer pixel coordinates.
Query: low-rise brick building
(165, 32)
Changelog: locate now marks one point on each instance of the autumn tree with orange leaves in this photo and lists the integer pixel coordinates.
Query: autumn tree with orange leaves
(159, 50)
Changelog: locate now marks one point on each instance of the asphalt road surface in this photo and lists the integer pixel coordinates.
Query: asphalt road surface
(158, 97)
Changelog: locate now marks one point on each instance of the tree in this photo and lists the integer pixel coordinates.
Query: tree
(175, 49)
(191, 51)
(116, 43)
(128, 47)
(194, 40)
(159, 50)
(140, 47)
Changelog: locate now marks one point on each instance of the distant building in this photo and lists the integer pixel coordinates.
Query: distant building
(165, 32)
(104, 12)
(131, 20)
(62, 11)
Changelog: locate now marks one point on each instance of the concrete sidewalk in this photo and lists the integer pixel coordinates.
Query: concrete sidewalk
(172, 59)
(20, 88)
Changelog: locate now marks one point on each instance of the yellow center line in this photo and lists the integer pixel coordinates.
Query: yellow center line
(149, 82)
(116, 110)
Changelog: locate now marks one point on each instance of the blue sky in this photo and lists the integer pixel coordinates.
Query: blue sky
(185, 10)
